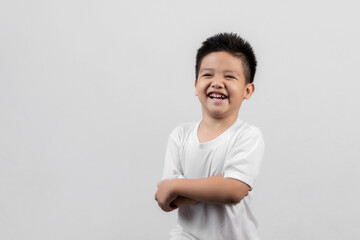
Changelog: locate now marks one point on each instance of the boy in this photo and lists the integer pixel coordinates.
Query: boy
(211, 165)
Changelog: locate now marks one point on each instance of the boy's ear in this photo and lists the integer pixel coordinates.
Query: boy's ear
(195, 88)
(249, 90)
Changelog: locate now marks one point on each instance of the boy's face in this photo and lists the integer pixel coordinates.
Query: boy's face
(221, 85)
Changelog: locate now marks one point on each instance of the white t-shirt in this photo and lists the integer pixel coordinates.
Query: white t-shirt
(236, 153)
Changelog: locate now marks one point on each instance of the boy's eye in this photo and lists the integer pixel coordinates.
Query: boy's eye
(229, 76)
(207, 75)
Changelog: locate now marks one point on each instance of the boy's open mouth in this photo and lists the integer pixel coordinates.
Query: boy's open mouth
(215, 95)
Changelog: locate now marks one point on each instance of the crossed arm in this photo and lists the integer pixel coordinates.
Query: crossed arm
(175, 193)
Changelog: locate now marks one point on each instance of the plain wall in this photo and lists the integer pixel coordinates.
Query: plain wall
(90, 90)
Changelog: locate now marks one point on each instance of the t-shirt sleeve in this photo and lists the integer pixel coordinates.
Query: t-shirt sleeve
(172, 165)
(245, 157)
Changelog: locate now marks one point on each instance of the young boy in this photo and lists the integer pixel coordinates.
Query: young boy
(211, 165)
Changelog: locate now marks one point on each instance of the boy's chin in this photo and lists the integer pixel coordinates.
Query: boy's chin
(217, 114)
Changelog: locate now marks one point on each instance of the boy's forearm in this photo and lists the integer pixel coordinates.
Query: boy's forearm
(182, 201)
(215, 189)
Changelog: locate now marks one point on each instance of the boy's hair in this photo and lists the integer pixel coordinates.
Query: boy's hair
(233, 44)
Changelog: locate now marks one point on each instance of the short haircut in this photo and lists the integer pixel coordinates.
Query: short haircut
(233, 44)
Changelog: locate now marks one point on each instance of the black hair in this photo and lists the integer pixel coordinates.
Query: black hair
(233, 44)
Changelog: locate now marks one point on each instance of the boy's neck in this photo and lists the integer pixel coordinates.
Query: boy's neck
(214, 123)
(211, 127)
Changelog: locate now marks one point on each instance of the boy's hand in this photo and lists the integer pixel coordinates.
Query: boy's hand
(165, 195)
(181, 201)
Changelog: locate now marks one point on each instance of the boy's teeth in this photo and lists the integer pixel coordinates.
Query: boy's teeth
(214, 95)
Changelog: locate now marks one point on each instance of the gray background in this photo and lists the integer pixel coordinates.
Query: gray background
(90, 90)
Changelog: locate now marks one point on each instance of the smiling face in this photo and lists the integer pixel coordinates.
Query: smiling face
(221, 85)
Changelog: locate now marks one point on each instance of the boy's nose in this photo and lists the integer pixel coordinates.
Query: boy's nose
(217, 83)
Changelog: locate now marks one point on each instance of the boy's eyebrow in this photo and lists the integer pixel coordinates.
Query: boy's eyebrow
(226, 71)
(206, 69)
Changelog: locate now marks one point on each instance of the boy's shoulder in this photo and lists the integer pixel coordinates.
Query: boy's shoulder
(244, 128)
(244, 131)
(186, 126)
(247, 135)
(183, 130)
